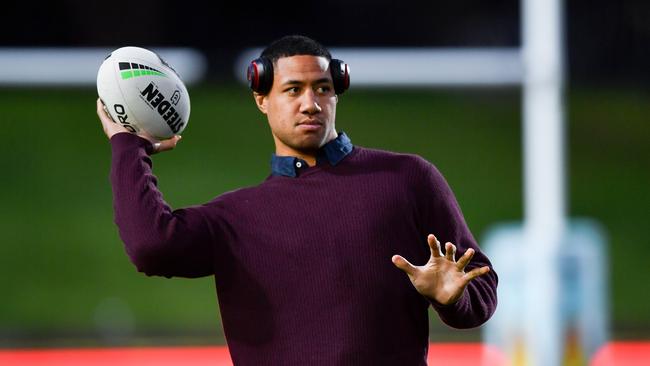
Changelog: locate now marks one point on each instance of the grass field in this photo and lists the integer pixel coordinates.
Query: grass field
(64, 274)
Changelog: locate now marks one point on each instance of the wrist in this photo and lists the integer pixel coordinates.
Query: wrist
(121, 140)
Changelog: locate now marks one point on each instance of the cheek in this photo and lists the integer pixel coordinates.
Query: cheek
(280, 112)
(330, 106)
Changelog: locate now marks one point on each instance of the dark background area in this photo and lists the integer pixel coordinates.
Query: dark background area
(607, 41)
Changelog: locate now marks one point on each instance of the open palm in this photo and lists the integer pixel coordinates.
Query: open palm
(442, 278)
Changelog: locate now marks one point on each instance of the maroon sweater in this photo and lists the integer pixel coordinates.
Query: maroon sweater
(302, 265)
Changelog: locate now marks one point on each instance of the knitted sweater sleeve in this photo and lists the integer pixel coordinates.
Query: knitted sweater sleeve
(441, 215)
(159, 241)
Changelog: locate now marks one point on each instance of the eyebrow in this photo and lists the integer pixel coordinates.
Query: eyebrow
(298, 82)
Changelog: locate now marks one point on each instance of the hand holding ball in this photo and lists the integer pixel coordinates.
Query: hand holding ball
(142, 93)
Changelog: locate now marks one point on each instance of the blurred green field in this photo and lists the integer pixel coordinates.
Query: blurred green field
(65, 278)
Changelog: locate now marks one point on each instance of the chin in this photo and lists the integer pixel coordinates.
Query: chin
(309, 143)
(308, 146)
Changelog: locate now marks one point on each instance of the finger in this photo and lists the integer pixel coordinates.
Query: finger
(101, 112)
(108, 124)
(476, 272)
(406, 266)
(434, 244)
(464, 260)
(450, 251)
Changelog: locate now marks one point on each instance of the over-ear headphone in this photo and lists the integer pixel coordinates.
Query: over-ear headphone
(260, 75)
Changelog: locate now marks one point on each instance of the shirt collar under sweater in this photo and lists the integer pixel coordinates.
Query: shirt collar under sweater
(333, 152)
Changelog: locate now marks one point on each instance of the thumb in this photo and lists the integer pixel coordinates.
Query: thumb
(168, 144)
(161, 145)
(401, 263)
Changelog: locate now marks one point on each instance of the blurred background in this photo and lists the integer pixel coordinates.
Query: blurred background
(65, 279)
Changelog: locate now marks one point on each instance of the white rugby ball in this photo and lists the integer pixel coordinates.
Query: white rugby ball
(143, 93)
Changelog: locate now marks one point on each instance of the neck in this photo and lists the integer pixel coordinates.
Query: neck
(307, 155)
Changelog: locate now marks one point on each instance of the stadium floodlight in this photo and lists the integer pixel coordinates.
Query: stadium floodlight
(78, 66)
(421, 67)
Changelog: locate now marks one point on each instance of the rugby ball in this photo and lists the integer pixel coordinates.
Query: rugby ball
(143, 93)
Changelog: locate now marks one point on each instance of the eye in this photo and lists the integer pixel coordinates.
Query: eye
(323, 89)
(292, 90)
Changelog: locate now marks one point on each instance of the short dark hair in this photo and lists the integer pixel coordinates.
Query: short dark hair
(293, 45)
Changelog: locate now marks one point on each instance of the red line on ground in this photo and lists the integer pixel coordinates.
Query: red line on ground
(623, 354)
(448, 354)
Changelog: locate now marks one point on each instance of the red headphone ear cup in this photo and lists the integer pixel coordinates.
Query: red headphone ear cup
(346, 77)
(340, 75)
(260, 75)
(253, 76)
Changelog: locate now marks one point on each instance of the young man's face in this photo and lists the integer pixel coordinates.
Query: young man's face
(301, 106)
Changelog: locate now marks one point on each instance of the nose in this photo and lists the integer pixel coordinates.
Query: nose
(309, 103)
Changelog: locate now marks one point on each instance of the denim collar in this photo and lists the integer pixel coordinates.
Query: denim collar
(332, 152)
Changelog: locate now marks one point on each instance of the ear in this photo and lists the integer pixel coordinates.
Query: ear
(260, 100)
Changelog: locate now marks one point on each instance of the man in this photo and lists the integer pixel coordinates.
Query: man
(302, 262)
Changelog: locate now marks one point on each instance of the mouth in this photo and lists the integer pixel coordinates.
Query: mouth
(310, 124)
